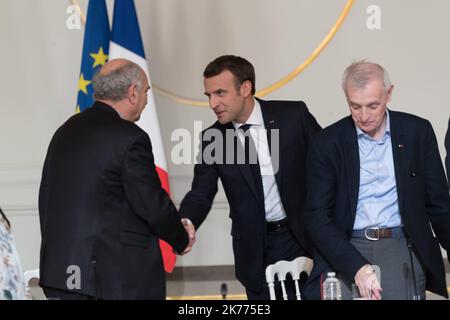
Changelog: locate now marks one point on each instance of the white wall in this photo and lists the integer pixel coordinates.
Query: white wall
(40, 61)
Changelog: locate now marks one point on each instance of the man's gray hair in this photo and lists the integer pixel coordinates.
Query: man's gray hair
(360, 73)
(113, 86)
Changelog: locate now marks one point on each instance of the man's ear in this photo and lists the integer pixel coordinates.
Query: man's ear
(246, 88)
(132, 93)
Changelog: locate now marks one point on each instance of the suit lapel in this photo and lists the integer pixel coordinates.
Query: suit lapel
(398, 153)
(351, 153)
(271, 122)
(239, 149)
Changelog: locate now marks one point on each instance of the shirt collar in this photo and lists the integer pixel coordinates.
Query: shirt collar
(255, 118)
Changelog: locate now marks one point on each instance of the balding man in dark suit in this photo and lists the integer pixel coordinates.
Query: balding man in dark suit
(101, 205)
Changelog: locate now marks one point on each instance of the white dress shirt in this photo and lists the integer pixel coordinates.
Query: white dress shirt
(272, 200)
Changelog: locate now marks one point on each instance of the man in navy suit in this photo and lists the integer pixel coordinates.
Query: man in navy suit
(266, 196)
(376, 186)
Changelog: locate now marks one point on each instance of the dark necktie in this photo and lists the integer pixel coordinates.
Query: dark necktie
(251, 158)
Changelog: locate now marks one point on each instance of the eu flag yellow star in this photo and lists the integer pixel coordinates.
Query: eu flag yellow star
(82, 84)
(99, 58)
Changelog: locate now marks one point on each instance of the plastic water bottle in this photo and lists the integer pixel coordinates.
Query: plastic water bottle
(332, 287)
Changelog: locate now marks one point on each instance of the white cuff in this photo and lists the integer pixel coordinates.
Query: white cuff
(186, 222)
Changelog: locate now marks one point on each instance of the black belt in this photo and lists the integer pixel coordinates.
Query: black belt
(277, 226)
(378, 233)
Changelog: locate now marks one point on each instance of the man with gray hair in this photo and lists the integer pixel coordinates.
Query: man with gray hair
(377, 191)
(101, 205)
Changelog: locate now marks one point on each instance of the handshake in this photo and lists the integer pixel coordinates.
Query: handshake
(190, 229)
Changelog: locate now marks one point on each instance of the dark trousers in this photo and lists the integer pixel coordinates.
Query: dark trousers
(58, 294)
(280, 245)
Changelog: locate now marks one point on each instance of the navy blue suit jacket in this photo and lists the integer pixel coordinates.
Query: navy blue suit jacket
(296, 126)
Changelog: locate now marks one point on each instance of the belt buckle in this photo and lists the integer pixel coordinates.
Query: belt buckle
(277, 225)
(377, 234)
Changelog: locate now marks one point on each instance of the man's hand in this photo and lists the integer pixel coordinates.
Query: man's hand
(190, 229)
(367, 282)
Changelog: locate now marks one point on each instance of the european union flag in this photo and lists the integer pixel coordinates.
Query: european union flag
(95, 51)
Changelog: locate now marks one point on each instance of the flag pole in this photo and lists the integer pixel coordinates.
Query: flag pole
(81, 13)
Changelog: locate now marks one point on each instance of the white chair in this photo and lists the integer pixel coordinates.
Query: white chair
(28, 277)
(295, 267)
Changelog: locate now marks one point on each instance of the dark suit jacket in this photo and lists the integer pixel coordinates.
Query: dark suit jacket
(296, 125)
(447, 148)
(102, 209)
(333, 186)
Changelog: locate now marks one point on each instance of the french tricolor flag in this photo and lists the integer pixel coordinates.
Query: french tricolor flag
(126, 43)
